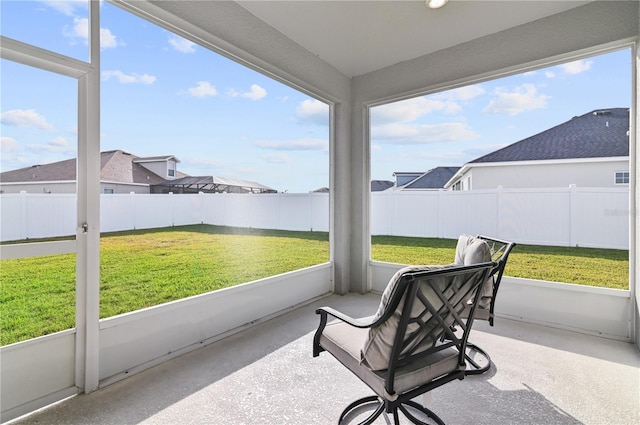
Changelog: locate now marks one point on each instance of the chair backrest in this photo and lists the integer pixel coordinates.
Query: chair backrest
(500, 250)
(420, 306)
(468, 251)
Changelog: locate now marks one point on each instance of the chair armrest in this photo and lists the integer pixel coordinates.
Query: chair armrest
(324, 313)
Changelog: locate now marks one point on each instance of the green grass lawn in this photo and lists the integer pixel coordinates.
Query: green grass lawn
(150, 267)
(607, 268)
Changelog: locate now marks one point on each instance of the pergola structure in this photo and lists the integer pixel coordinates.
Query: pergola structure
(353, 55)
(211, 184)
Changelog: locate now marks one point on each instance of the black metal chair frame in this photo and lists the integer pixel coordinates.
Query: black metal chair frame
(500, 250)
(436, 324)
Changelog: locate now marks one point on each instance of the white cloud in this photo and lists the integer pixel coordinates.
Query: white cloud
(576, 67)
(66, 7)
(182, 45)
(107, 39)
(295, 145)
(256, 93)
(128, 78)
(8, 144)
(313, 111)
(25, 118)
(80, 29)
(408, 134)
(568, 69)
(278, 158)
(60, 142)
(462, 93)
(406, 110)
(203, 89)
(521, 99)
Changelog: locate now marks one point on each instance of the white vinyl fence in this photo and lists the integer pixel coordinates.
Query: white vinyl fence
(588, 217)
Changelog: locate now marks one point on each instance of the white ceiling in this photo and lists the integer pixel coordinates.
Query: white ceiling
(357, 37)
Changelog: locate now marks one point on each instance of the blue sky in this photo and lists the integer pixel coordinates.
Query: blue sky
(162, 95)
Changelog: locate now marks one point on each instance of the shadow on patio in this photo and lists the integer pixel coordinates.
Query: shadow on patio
(266, 375)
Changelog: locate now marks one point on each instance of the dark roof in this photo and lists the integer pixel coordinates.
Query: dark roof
(432, 179)
(116, 166)
(380, 185)
(598, 134)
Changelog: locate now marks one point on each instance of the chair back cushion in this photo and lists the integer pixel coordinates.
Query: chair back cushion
(471, 250)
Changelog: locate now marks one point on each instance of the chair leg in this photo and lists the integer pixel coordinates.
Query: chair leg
(420, 408)
(352, 408)
(360, 402)
(473, 367)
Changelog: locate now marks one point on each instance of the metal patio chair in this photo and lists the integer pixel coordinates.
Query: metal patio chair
(478, 360)
(414, 343)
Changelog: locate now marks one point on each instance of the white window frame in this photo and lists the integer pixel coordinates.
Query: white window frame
(622, 174)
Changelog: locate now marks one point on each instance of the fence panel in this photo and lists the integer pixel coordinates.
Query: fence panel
(12, 217)
(48, 216)
(538, 217)
(472, 213)
(320, 212)
(266, 210)
(152, 211)
(589, 217)
(600, 218)
(187, 209)
(117, 212)
(295, 212)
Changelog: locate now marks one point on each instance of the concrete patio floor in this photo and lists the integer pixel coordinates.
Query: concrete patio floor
(266, 375)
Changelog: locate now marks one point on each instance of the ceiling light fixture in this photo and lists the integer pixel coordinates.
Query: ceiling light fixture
(436, 4)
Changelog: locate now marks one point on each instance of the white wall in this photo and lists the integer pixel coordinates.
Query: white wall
(41, 371)
(590, 310)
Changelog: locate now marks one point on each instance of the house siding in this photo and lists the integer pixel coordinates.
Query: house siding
(39, 187)
(68, 187)
(562, 174)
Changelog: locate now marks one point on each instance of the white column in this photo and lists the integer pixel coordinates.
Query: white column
(634, 198)
(88, 225)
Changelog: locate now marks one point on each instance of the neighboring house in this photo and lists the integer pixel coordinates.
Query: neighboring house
(591, 150)
(433, 179)
(121, 172)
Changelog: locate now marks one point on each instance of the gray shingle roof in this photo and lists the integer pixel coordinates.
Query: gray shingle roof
(380, 185)
(116, 166)
(598, 134)
(432, 179)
